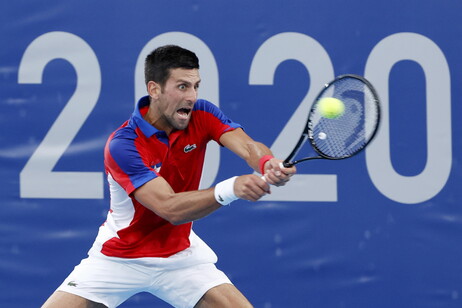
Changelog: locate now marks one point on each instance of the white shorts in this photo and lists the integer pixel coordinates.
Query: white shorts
(111, 281)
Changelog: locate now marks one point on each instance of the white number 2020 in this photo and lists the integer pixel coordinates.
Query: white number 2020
(38, 180)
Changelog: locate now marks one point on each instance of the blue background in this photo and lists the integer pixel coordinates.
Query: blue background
(364, 249)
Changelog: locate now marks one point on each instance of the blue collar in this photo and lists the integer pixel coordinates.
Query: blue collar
(147, 129)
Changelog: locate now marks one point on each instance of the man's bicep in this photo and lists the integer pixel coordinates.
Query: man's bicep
(153, 194)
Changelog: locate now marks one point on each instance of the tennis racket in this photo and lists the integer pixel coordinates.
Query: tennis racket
(346, 134)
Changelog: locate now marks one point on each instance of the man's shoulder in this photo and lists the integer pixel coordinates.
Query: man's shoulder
(122, 137)
(124, 132)
(208, 107)
(204, 105)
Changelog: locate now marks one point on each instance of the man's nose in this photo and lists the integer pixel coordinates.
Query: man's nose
(192, 95)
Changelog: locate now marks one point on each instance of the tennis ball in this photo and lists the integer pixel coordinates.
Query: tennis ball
(330, 107)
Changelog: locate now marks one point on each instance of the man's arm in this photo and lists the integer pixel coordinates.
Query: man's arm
(252, 152)
(178, 208)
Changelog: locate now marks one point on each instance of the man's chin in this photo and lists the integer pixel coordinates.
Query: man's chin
(181, 126)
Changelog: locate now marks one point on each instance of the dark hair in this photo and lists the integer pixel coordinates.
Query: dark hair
(160, 61)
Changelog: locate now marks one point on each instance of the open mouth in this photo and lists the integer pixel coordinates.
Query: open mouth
(183, 112)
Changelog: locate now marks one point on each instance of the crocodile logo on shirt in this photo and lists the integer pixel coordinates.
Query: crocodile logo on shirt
(189, 148)
(72, 284)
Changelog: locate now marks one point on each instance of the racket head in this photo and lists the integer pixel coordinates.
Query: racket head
(348, 134)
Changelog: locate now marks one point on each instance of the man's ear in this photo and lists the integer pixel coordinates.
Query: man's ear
(154, 89)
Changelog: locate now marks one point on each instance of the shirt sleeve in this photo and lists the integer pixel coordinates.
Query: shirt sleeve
(125, 163)
(218, 123)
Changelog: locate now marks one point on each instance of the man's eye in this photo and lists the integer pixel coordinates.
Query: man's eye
(181, 87)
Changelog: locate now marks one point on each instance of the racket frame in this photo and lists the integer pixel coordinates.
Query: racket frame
(308, 133)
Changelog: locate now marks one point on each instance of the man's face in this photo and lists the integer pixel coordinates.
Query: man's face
(175, 100)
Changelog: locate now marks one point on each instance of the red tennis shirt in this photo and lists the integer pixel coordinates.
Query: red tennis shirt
(136, 153)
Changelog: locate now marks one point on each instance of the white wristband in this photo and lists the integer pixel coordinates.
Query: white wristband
(224, 191)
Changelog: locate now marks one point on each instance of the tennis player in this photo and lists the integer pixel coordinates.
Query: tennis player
(154, 164)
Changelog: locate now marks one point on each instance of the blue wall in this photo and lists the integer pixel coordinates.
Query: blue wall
(382, 229)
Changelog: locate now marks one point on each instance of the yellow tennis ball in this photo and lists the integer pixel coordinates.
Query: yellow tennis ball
(331, 107)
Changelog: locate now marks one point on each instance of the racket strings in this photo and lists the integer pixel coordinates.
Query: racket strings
(350, 132)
